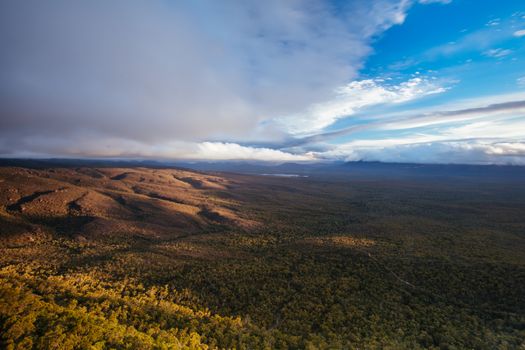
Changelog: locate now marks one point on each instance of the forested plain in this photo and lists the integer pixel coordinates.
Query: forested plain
(141, 258)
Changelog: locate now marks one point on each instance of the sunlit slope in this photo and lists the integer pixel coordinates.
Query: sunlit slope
(89, 202)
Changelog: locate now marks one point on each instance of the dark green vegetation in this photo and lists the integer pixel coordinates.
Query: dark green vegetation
(139, 258)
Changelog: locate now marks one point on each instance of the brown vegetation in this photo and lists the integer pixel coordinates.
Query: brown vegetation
(88, 202)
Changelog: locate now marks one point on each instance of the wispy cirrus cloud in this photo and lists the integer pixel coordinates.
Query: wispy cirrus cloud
(411, 135)
(504, 106)
(355, 96)
(479, 40)
(486, 40)
(497, 53)
(434, 1)
(503, 109)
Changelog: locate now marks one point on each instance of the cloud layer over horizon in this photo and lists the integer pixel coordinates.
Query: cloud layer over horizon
(249, 81)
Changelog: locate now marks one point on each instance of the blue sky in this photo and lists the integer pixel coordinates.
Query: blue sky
(431, 81)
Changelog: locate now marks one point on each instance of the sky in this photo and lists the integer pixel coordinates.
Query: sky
(424, 81)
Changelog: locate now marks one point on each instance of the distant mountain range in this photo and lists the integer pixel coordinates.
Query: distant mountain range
(359, 169)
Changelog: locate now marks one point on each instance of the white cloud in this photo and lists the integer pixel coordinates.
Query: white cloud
(232, 151)
(476, 41)
(519, 33)
(497, 53)
(521, 81)
(355, 96)
(506, 149)
(493, 22)
(435, 1)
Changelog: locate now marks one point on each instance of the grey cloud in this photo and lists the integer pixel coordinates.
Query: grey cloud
(155, 71)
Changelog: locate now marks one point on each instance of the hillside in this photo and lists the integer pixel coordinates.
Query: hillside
(161, 258)
(86, 203)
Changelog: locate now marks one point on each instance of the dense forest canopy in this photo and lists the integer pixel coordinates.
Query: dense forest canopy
(141, 258)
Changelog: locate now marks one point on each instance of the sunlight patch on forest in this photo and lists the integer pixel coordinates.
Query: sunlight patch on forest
(340, 241)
